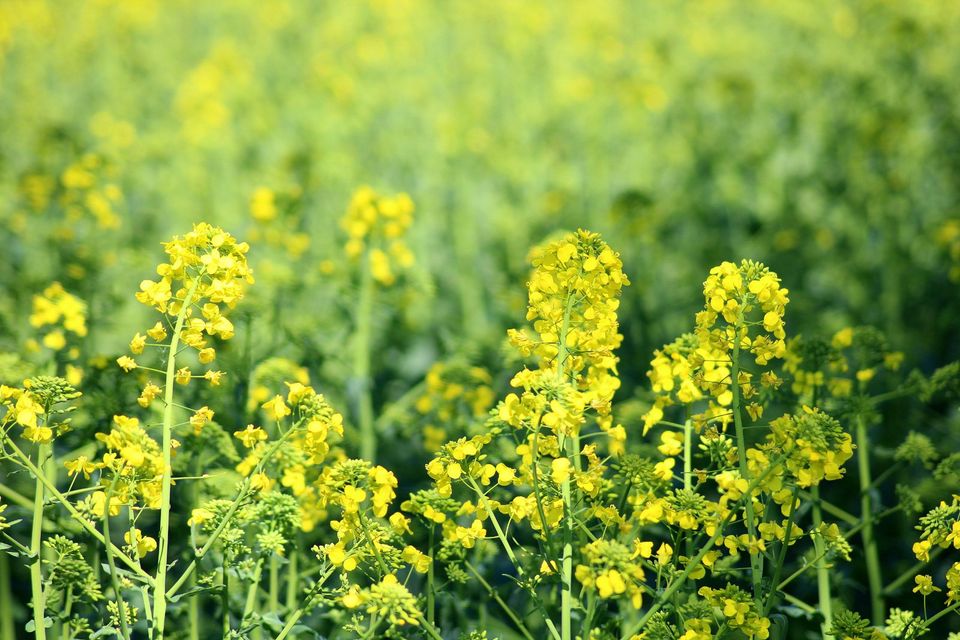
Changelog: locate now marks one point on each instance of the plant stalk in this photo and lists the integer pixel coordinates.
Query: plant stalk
(361, 364)
(163, 544)
(871, 553)
(823, 574)
(36, 534)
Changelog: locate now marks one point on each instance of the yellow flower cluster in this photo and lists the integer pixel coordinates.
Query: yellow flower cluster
(459, 460)
(387, 600)
(271, 373)
(613, 570)
(817, 444)
(274, 229)
(743, 311)
(207, 270)
(375, 226)
(574, 294)
(207, 264)
(24, 408)
(738, 611)
(454, 394)
(852, 358)
(135, 462)
(305, 446)
(62, 311)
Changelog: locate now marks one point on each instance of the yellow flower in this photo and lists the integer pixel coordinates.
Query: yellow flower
(672, 443)
(199, 516)
(144, 544)
(80, 465)
(276, 408)
(127, 363)
(251, 435)
(55, 340)
(202, 416)
(263, 207)
(925, 585)
(138, 343)
(416, 559)
(157, 333)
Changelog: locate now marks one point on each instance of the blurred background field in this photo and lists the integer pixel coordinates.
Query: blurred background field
(820, 137)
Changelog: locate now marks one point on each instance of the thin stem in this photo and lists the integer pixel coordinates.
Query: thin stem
(298, 613)
(823, 574)
(566, 593)
(36, 567)
(926, 624)
(251, 601)
(508, 548)
(163, 544)
(430, 578)
(273, 593)
(6, 600)
(871, 554)
(522, 628)
(910, 573)
(114, 580)
(15, 497)
(361, 363)
(756, 560)
(373, 545)
(241, 496)
(225, 602)
(782, 555)
(293, 577)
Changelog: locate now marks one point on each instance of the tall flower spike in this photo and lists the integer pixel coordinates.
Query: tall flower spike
(207, 271)
(574, 294)
(375, 225)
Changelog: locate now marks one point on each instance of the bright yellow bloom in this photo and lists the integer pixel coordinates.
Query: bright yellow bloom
(80, 465)
(144, 544)
(276, 408)
(251, 436)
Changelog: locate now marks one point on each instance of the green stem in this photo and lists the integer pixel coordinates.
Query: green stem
(273, 594)
(522, 628)
(832, 509)
(871, 554)
(6, 600)
(566, 593)
(782, 555)
(361, 364)
(756, 559)
(114, 580)
(225, 601)
(937, 616)
(36, 567)
(241, 496)
(251, 602)
(430, 577)
(373, 545)
(823, 574)
(15, 496)
(293, 577)
(910, 573)
(163, 544)
(295, 616)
